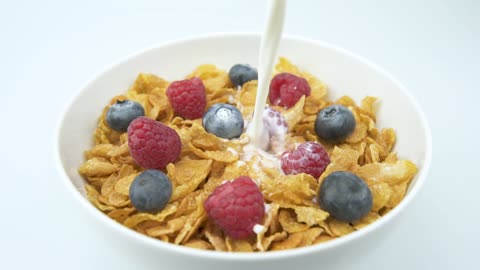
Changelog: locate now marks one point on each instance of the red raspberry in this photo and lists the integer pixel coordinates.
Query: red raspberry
(274, 122)
(236, 206)
(152, 144)
(188, 98)
(286, 89)
(309, 157)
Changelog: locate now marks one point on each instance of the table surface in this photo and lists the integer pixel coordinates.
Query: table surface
(48, 49)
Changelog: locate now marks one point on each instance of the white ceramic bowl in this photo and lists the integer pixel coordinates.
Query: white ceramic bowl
(344, 73)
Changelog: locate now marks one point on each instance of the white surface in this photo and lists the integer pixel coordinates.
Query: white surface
(48, 49)
(364, 79)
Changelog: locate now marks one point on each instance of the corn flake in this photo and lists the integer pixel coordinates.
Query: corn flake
(222, 156)
(93, 196)
(401, 171)
(121, 214)
(294, 240)
(323, 238)
(134, 220)
(172, 226)
(266, 242)
(341, 160)
(122, 186)
(294, 114)
(271, 216)
(339, 228)
(381, 193)
(398, 192)
(188, 178)
(360, 131)
(97, 167)
(386, 139)
(289, 222)
(309, 236)
(118, 200)
(145, 83)
(368, 106)
(309, 215)
(368, 219)
(99, 150)
(246, 99)
(238, 245)
(296, 189)
(212, 77)
(215, 237)
(199, 244)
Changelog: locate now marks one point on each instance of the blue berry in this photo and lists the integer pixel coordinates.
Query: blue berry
(150, 191)
(223, 120)
(345, 196)
(240, 74)
(123, 112)
(334, 123)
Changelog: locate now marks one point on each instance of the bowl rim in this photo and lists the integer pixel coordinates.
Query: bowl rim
(256, 256)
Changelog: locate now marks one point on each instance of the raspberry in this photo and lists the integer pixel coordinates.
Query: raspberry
(274, 122)
(309, 157)
(286, 89)
(152, 144)
(188, 98)
(236, 206)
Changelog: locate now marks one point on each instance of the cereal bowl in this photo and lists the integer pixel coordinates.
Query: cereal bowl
(345, 74)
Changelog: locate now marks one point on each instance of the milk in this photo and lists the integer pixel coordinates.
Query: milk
(267, 54)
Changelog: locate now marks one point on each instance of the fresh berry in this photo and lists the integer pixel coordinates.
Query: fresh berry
(120, 114)
(188, 98)
(223, 120)
(152, 144)
(309, 157)
(286, 89)
(240, 74)
(345, 196)
(274, 122)
(150, 191)
(334, 123)
(236, 206)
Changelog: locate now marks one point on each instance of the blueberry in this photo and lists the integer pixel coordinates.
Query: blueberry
(345, 196)
(240, 74)
(150, 191)
(223, 120)
(334, 123)
(123, 112)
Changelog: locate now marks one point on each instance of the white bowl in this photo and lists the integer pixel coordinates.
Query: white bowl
(344, 73)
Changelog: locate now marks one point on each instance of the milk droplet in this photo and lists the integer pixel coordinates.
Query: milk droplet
(258, 228)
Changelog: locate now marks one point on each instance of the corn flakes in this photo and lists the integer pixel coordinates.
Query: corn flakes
(293, 218)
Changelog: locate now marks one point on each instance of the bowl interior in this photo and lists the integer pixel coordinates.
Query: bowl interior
(343, 72)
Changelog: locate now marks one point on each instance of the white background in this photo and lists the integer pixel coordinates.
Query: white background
(48, 49)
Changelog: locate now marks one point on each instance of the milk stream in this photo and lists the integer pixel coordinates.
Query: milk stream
(267, 54)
